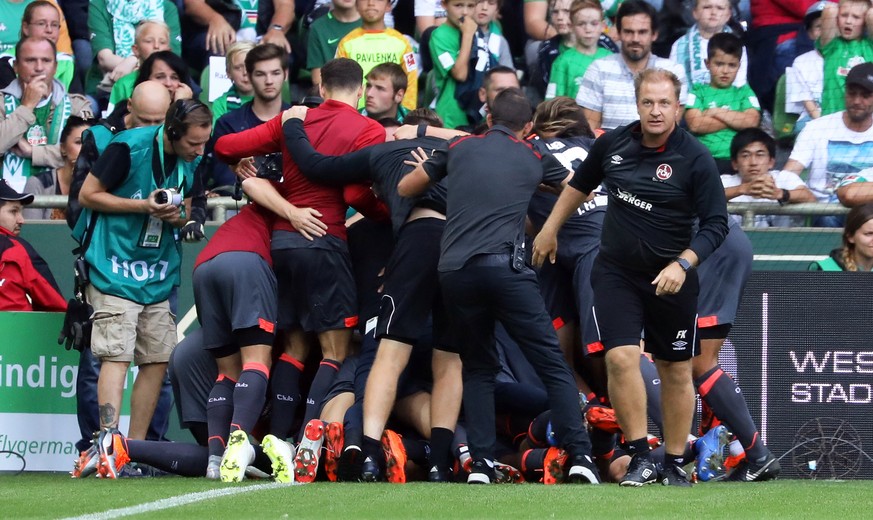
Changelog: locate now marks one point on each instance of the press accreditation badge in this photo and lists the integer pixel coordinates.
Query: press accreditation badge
(151, 237)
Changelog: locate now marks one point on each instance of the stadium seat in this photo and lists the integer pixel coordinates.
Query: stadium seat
(783, 122)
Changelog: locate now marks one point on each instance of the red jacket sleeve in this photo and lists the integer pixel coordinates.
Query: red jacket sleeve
(362, 198)
(260, 140)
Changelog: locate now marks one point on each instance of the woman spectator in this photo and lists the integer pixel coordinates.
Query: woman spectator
(42, 19)
(57, 182)
(171, 71)
(856, 254)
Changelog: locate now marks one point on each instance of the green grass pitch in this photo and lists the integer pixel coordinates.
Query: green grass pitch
(57, 496)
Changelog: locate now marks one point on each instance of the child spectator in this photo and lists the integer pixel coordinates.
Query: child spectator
(804, 79)
(325, 34)
(113, 31)
(717, 110)
(151, 36)
(490, 35)
(753, 155)
(373, 43)
(690, 51)
(560, 26)
(571, 64)
(843, 45)
(241, 90)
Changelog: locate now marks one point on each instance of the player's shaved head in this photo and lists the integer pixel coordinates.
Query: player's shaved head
(148, 104)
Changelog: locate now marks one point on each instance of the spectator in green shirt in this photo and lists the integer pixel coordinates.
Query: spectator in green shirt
(151, 36)
(325, 34)
(843, 44)
(586, 17)
(241, 92)
(718, 110)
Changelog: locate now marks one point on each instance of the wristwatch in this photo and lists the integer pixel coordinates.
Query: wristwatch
(277, 27)
(684, 264)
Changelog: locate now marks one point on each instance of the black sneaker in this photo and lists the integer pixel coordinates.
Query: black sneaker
(350, 465)
(640, 471)
(765, 468)
(673, 475)
(481, 472)
(370, 471)
(439, 475)
(582, 471)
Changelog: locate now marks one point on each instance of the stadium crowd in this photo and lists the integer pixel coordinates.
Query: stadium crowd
(503, 225)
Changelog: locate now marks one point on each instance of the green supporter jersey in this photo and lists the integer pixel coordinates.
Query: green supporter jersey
(230, 100)
(133, 255)
(445, 44)
(568, 69)
(738, 99)
(11, 14)
(324, 36)
(122, 89)
(839, 57)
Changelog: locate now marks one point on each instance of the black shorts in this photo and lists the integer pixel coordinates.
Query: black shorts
(316, 286)
(411, 292)
(723, 277)
(625, 305)
(566, 288)
(235, 290)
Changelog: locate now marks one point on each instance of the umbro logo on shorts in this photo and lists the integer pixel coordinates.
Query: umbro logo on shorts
(679, 345)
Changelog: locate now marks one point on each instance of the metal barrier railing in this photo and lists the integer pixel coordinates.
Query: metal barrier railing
(220, 205)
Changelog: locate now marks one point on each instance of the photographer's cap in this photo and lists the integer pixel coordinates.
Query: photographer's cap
(8, 194)
(862, 76)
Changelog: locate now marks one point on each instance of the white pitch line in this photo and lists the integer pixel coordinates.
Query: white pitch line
(185, 322)
(181, 500)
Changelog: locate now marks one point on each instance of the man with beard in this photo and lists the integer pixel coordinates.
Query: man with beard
(267, 67)
(607, 91)
(837, 145)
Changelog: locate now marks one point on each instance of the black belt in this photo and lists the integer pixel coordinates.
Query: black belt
(490, 260)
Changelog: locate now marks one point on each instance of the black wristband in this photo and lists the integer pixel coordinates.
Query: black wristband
(422, 130)
(786, 196)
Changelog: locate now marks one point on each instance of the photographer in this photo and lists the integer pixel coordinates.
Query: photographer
(267, 68)
(134, 257)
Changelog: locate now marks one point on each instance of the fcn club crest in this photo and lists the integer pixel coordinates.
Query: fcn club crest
(664, 172)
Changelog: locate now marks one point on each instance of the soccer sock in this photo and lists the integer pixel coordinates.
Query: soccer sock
(262, 461)
(539, 430)
(353, 425)
(187, 460)
(441, 447)
(219, 411)
(723, 395)
(324, 378)
(676, 460)
(249, 395)
(532, 462)
(602, 443)
(417, 450)
(638, 447)
(653, 392)
(373, 449)
(284, 395)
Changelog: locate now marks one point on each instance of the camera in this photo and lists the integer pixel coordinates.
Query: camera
(270, 167)
(169, 195)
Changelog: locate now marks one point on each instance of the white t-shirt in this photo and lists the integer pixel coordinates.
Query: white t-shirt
(784, 180)
(430, 8)
(830, 152)
(804, 80)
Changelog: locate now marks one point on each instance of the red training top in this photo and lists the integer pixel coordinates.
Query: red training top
(24, 273)
(248, 231)
(334, 128)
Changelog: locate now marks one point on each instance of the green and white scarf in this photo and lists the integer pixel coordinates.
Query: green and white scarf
(126, 14)
(17, 169)
(692, 55)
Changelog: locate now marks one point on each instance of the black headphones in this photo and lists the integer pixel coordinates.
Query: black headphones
(175, 123)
